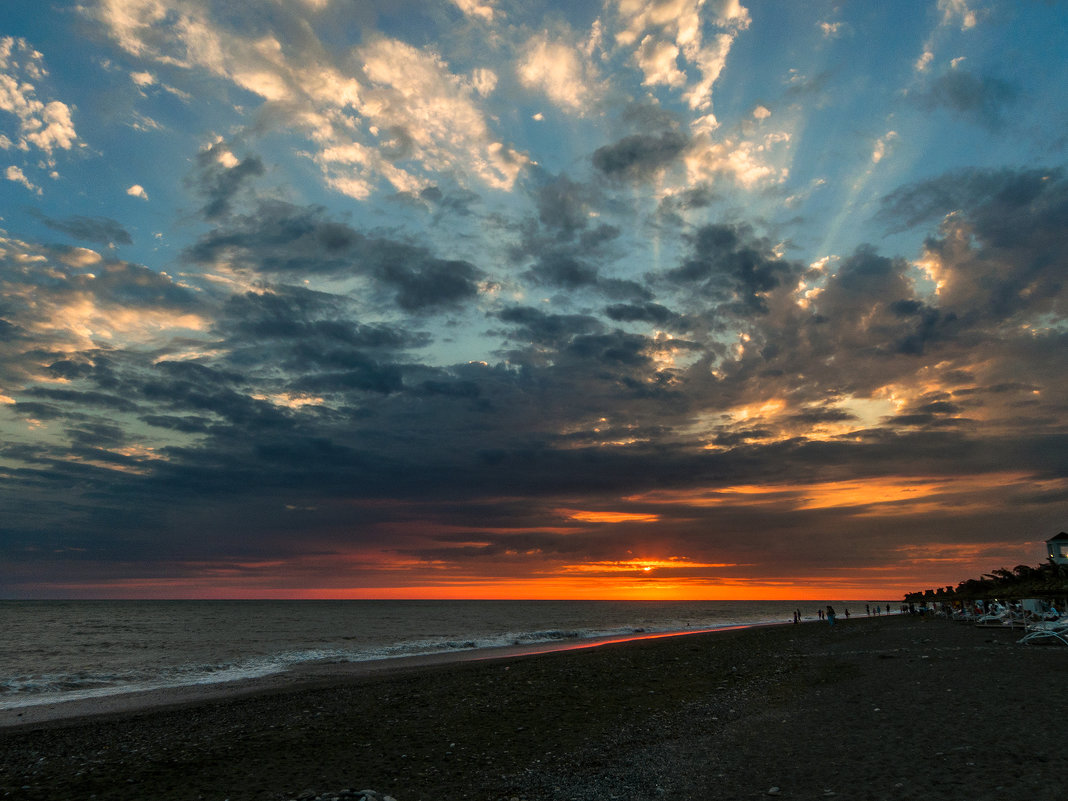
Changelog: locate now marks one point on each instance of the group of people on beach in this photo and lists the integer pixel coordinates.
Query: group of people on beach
(829, 614)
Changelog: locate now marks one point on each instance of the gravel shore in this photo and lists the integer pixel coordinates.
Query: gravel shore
(872, 708)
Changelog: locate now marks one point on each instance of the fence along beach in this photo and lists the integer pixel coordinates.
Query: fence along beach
(871, 708)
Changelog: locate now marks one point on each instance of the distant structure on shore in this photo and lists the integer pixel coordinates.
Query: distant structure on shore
(1058, 548)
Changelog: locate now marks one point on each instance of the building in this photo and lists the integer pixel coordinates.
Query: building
(1058, 548)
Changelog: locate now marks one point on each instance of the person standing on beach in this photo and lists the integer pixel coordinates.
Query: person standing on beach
(830, 614)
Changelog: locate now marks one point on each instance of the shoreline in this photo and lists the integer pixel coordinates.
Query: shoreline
(126, 701)
(871, 708)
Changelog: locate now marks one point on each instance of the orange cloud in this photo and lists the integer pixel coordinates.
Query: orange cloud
(643, 565)
(609, 517)
(895, 495)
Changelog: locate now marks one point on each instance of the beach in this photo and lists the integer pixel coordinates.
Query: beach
(870, 708)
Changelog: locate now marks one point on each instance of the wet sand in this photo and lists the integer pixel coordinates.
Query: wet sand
(873, 708)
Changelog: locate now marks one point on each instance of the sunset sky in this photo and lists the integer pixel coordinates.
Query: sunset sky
(511, 298)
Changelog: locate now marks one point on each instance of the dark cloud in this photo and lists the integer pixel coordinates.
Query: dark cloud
(646, 312)
(457, 201)
(601, 235)
(424, 283)
(182, 388)
(280, 238)
(986, 194)
(980, 99)
(812, 417)
(219, 182)
(130, 285)
(544, 328)
(650, 118)
(932, 412)
(349, 371)
(301, 398)
(396, 143)
(561, 269)
(995, 250)
(612, 348)
(43, 411)
(624, 290)
(83, 400)
(294, 314)
(639, 155)
(927, 325)
(289, 241)
(97, 435)
(100, 230)
(187, 425)
(563, 205)
(730, 265)
(673, 207)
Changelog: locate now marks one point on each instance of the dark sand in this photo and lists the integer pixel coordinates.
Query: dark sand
(873, 708)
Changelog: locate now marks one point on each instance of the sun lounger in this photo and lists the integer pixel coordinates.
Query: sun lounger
(1006, 617)
(1047, 629)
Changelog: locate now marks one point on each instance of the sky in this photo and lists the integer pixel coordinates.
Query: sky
(641, 299)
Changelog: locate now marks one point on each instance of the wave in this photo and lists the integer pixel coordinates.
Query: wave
(30, 689)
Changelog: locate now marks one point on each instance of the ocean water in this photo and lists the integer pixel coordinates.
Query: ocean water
(63, 650)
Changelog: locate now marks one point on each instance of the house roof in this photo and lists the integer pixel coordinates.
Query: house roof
(1059, 538)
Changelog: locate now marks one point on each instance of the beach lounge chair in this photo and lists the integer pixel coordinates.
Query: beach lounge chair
(1047, 629)
(1004, 617)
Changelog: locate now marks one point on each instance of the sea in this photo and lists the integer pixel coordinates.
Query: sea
(53, 651)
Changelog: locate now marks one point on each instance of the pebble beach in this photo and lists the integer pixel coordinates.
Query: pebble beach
(895, 707)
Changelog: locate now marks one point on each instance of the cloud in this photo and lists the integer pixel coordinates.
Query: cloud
(665, 31)
(958, 11)
(288, 241)
(648, 312)
(64, 300)
(832, 30)
(16, 175)
(383, 112)
(101, 230)
(424, 283)
(473, 8)
(658, 61)
(563, 70)
(508, 384)
(220, 176)
(564, 205)
(312, 337)
(46, 126)
(730, 265)
(639, 155)
(749, 163)
(980, 99)
(988, 193)
(561, 269)
(544, 328)
(882, 146)
(991, 259)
